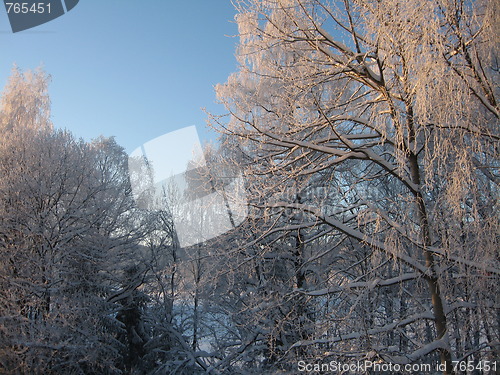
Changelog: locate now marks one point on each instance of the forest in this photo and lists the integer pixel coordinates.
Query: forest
(365, 136)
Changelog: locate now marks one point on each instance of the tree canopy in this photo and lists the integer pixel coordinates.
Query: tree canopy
(365, 135)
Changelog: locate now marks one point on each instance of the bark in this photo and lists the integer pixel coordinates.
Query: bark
(432, 277)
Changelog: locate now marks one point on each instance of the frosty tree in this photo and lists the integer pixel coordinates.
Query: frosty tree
(65, 236)
(368, 133)
(87, 279)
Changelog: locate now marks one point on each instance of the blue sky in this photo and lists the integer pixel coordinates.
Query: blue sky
(130, 69)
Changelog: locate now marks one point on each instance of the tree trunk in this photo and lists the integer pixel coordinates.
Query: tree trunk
(432, 278)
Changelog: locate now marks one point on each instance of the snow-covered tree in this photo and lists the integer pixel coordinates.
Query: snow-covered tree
(368, 135)
(67, 233)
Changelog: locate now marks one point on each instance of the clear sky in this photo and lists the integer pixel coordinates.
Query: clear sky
(130, 69)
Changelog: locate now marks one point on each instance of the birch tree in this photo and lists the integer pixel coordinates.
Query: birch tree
(374, 126)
